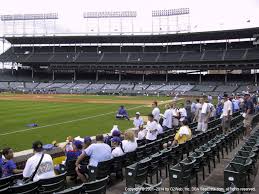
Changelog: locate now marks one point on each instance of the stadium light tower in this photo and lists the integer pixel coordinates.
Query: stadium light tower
(113, 21)
(171, 20)
(21, 23)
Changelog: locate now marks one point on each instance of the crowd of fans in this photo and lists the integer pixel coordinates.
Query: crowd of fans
(176, 116)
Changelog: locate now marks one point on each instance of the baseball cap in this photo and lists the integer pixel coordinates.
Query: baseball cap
(87, 139)
(246, 94)
(137, 113)
(78, 144)
(116, 133)
(37, 146)
(225, 95)
(116, 139)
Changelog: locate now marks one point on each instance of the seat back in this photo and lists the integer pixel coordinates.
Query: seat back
(130, 158)
(5, 182)
(142, 171)
(96, 187)
(117, 163)
(53, 184)
(140, 152)
(28, 188)
(72, 190)
(104, 169)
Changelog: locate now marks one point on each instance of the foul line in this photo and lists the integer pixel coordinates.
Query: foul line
(61, 123)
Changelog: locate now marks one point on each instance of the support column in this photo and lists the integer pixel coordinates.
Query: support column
(32, 73)
(143, 78)
(200, 78)
(53, 75)
(119, 76)
(226, 78)
(255, 72)
(96, 77)
(12, 68)
(166, 76)
(74, 75)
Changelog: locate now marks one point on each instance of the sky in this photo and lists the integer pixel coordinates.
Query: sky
(204, 14)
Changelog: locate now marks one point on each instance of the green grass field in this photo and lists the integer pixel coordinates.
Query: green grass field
(57, 120)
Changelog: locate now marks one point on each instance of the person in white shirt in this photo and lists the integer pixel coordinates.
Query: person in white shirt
(151, 129)
(212, 110)
(168, 117)
(156, 111)
(97, 152)
(183, 113)
(226, 114)
(203, 116)
(142, 133)
(160, 129)
(138, 121)
(129, 144)
(175, 114)
(117, 151)
(46, 168)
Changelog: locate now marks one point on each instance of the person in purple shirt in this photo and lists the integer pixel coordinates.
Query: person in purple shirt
(9, 167)
(122, 113)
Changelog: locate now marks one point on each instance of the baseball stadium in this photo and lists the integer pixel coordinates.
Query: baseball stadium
(127, 100)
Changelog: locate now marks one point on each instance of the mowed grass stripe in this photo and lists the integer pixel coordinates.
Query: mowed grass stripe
(52, 116)
(90, 126)
(43, 109)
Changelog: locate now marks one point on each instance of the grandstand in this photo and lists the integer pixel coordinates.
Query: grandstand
(121, 68)
(189, 64)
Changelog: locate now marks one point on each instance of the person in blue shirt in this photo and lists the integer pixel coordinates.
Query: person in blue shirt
(97, 152)
(76, 152)
(219, 109)
(122, 113)
(9, 167)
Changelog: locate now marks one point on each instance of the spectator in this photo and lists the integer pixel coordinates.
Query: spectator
(98, 152)
(226, 114)
(76, 152)
(156, 111)
(160, 129)
(151, 129)
(212, 110)
(235, 103)
(138, 121)
(175, 113)
(183, 113)
(248, 113)
(115, 133)
(8, 165)
(203, 116)
(114, 128)
(122, 113)
(188, 110)
(219, 109)
(168, 118)
(69, 144)
(183, 134)
(129, 144)
(87, 142)
(46, 168)
(142, 133)
(210, 98)
(116, 145)
(193, 110)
